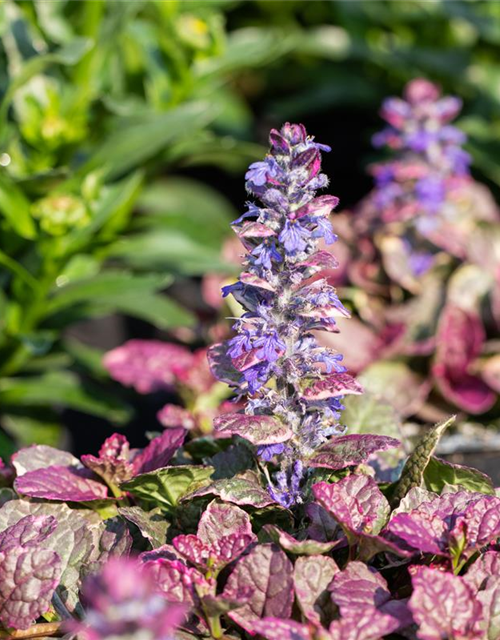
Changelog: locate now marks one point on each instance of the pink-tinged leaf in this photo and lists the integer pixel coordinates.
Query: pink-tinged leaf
(246, 360)
(255, 230)
(159, 451)
(252, 280)
(171, 416)
(460, 339)
(29, 573)
(197, 377)
(360, 587)
(259, 429)
(323, 526)
(485, 566)
(368, 625)
(230, 547)
(28, 579)
(60, 483)
(339, 384)
(444, 606)
(193, 549)
(298, 547)
(355, 502)
(278, 629)
(243, 489)
(221, 365)
(39, 456)
(319, 261)
(270, 572)
(312, 576)
(220, 519)
(177, 581)
(165, 552)
(350, 450)
(489, 598)
(147, 365)
(417, 534)
(463, 520)
(113, 463)
(318, 207)
(220, 604)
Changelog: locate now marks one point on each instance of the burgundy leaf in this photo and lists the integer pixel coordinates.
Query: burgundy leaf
(444, 606)
(323, 526)
(355, 502)
(368, 625)
(223, 519)
(39, 456)
(269, 571)
(171, 416)
(318, 207)
(278, 629)
(193, 549)
(28, 579)
(350, 450)
(159, 451)
(113, 463)
(29, 573)
(177, 581)
(298, 547)
(259, 429)
(147, 365)
(60, 483)
(360, 587)
(452, 523)
(460, 339)
(312, 576)
(338, 384)
(485, 566)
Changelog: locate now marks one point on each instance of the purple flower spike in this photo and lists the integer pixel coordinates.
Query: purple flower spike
(414, 185)
(124, 602)
(294, 386)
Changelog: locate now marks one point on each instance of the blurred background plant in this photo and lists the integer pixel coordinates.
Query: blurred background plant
(125, 129)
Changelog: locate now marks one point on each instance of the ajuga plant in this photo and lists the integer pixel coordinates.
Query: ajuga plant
(294, 386)
(423, 267)
(276, 525)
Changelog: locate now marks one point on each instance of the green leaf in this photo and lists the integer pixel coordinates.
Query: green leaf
(16, 209)
(107, 287)
(69, 54)
(116, 202)
(61, 389)
(439, 474)
(413, 471)
(27, 431)
(137, 139)
(197, 210)
(368, 414)
(151, 524)
(165, 487)
(248, 48)
(171, 250)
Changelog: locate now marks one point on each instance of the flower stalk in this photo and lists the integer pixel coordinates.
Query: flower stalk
(294, 386)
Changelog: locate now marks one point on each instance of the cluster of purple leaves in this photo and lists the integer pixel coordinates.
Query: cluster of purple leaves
(189, 551)
(422, 249)
(293, 385)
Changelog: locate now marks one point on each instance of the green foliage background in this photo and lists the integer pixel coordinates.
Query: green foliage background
(106, 104)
